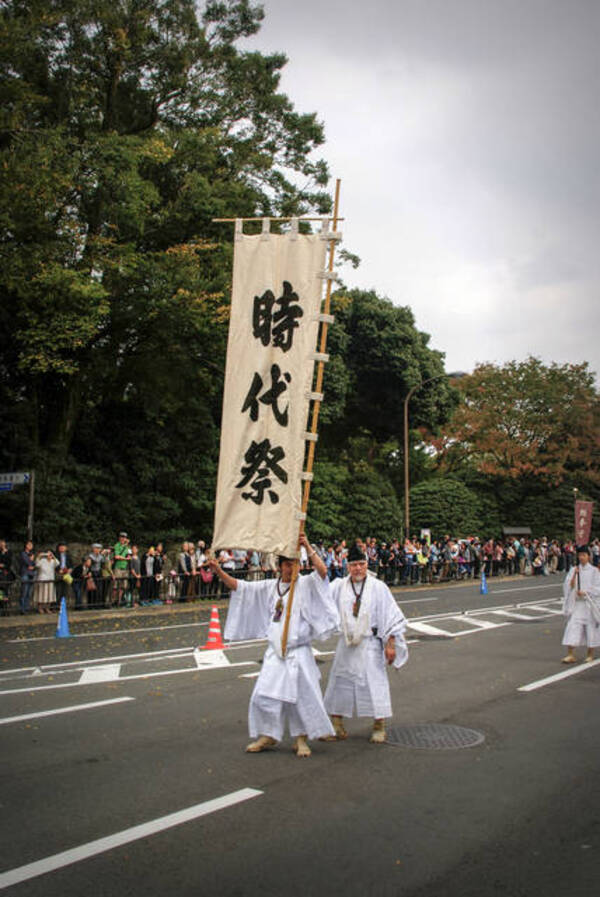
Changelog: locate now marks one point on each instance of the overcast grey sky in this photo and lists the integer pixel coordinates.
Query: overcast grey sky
(466, 135)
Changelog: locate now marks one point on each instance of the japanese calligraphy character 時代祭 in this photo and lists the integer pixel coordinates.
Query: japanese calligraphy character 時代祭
(276, 319)
(262, 459)
(270, 396)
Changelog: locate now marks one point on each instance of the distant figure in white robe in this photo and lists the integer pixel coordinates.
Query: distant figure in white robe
(287, 690)
(372, 638)
(45, 592)
(581, 606)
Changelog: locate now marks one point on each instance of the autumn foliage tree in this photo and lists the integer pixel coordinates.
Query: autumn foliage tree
(525, 421)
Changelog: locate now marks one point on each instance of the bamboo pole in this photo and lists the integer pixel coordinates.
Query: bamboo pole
(315, 417)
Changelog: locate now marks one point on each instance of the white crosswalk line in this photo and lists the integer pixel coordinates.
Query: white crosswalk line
(515, 616)
(480, 624)
(211, 659)
(428, 629)
(548, 610)
(100, 674)
(481, 629)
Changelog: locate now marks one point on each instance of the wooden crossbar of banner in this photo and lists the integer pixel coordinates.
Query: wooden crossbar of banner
(315, 419)
(296, 217)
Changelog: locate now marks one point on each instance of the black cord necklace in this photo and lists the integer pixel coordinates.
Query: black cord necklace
(357, 597)
(279, 604)
(284, 593)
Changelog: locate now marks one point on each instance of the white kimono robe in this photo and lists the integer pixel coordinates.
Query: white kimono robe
(45, 591)
(583, 623)
(358, 679)
(287, 689)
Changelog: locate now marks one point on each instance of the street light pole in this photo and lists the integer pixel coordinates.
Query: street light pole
(455, 376)
(406, 473)
(31, 500)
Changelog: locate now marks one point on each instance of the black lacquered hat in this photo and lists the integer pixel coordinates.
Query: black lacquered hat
(356, 554)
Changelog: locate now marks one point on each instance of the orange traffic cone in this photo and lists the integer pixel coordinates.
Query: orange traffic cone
(214, 632)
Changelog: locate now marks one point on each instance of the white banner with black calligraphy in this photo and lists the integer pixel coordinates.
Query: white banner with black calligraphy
(275, 307)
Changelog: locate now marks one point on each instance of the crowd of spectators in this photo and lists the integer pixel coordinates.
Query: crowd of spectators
(416, 561)
(122, 576)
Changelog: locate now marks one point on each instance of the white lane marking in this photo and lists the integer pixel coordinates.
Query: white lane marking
(515, 616)
(317, 653)
(54, 668)
(133, 631)
(101, 674)
(573, 671)
(145, 657)
(29, 690)
(415, 600)
(73, 709)
(427, 629)
(549, 585)
(548, 610)
(93, 848)
(19, 670)
(244, 643)
(249, 675)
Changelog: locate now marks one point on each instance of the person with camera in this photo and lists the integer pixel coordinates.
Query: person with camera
(45, 593)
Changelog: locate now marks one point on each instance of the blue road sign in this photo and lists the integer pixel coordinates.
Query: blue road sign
(14, 479)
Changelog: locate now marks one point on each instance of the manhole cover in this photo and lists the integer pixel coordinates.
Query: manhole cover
(434, 736)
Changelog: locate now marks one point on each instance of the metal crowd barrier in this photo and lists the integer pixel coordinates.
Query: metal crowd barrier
(97, 591)
(169, 588)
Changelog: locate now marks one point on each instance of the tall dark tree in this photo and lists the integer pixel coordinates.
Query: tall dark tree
(125, 127)
(378, 355)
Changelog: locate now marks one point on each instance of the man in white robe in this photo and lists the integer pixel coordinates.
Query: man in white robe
(581, 606)
(372, 637)
(287, 689)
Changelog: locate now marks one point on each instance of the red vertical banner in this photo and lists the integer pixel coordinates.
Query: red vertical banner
(583, 521)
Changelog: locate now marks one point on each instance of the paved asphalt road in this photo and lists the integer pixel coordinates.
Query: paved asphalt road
(517, 814)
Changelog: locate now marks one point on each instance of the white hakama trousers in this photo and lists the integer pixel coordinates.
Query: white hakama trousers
(582, 615)
(367, 695)
(306, 715)
(579, 632)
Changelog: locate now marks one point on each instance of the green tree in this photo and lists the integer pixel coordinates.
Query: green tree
(376, 356)
(125, 127)
(445, 505)
(384, 356)
(352, 499)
